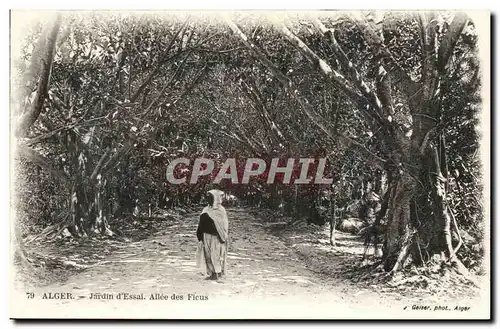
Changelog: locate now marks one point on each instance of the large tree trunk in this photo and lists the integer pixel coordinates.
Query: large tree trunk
(409, 219)
(398, 233)
(41, 66)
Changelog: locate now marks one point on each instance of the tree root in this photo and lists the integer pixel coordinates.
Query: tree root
(462, 270)
(52, 231)
(460, 240)
(404, 250)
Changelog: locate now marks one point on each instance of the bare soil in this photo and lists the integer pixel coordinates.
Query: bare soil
(272, 273)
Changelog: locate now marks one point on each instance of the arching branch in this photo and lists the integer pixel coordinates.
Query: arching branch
(304, 106)
(374, 40)
(31, 114)
(259, 54)
(348, 66)
(333, 76)
(449, 40)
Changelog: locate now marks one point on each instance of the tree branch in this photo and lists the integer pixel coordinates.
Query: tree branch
(258, 54)
(449, 40)
(257, 98)
(332, 76)
(374, 40)
(348, 66)
(129, 144)
(30, 116)
(100, 164)
(319, 121)
(118, 154)
(162, 61)
(166, 85)
(38, 139)
(41, 161)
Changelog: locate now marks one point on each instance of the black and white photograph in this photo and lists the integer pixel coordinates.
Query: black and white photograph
(257, 164)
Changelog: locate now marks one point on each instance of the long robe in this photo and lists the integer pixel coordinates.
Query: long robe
(211, 255)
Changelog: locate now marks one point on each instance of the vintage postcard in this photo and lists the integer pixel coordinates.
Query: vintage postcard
(250, 165)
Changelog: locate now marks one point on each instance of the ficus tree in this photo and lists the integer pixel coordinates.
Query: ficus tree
(398, 87)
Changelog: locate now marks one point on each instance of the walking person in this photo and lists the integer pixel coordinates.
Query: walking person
(212, 234)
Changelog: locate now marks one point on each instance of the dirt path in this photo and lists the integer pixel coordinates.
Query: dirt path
(265, 279)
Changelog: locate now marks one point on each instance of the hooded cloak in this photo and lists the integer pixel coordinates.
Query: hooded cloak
(218, 214)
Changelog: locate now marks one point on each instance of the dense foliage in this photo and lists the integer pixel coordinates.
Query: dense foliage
(127, 94)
